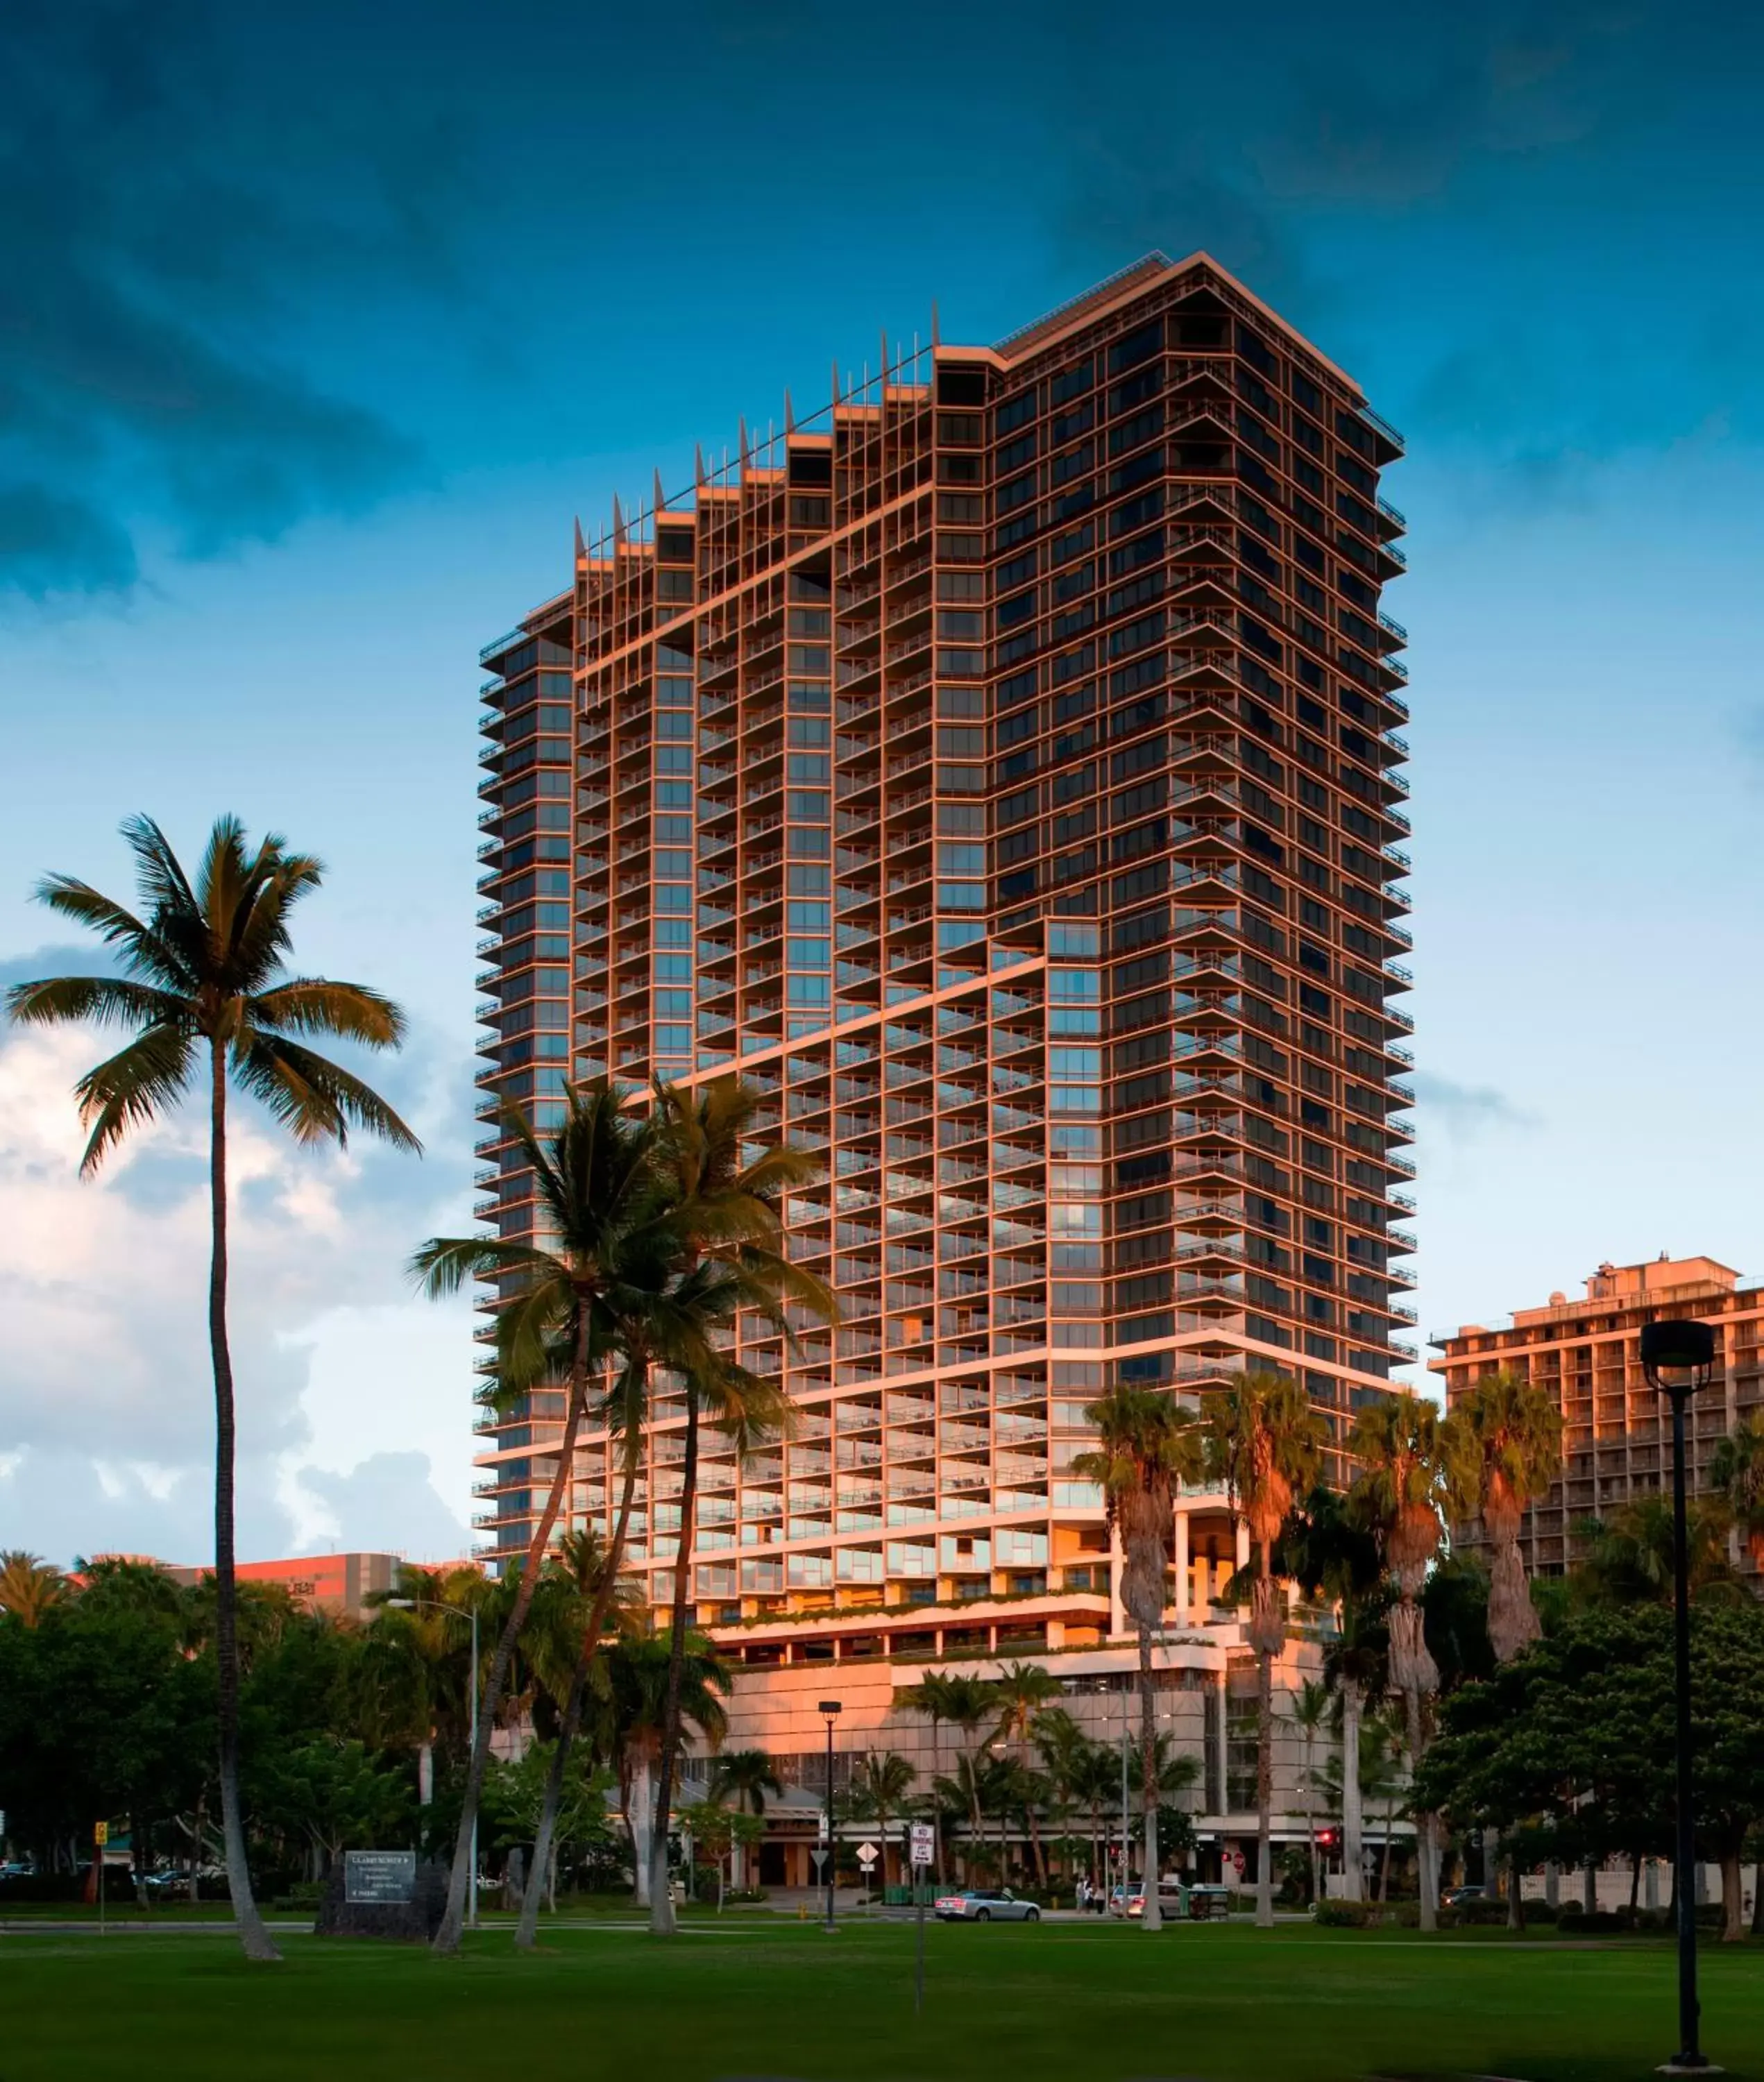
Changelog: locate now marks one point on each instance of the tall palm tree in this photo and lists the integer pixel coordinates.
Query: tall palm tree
(1060, 1743)
(1736, 1473)
(29, 1585)
(1629, 1560)
(1312, 1707)
(205, 992)
(1265, 1442)
(726, 1205)
(1094, 1775)
(1513, 1439)
(1148, 1444)
(626, 1720)
(880, 1786)
(589, 1590)
(1024, 1690)
(931, 1697)
(1330, 1555)
(970, 1704)
(1415, 1475)
(607, 1252)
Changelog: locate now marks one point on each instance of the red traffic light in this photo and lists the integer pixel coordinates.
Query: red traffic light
(1326, 1839)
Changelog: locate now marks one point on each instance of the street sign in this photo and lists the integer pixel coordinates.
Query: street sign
(867, 1854)
(923, 1851)
(820, 1826)
(819, 1857)
(101, 1834)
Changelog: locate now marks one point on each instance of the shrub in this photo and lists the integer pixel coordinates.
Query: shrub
(1579, 1922)
(1482, 1912)
(1541, 1911)
(1347, 1915)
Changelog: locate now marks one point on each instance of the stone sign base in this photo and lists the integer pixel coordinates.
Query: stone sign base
(415, 1920)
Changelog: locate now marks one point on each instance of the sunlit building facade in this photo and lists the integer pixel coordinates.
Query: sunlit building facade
(1000, 770)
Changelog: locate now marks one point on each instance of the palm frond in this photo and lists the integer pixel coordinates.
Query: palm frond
(133, 1085)
(442, 1266)
(258, 937)
(315, 1099)
(159, 874)
(103, 1000)
(319, 1005)
(145, 950)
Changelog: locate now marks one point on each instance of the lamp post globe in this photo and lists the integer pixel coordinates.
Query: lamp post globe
(1677, 1357)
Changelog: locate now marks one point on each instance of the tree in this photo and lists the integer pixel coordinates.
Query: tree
(930, 1697)
(1148, 1445)
(1628, 1558)
(1265, 1442)
(1060, 1743)
(29, 1585)
(206, 994)
(879, 1790)
(1024, 1689)
(1328, 1555)
(1311, 1708)
(749, 1774)
(564, 1305)
(725, 1206)
(1095, 1776)
(714, 1829)
(1736, 1473)
(1513, 1443)
(968, 1703)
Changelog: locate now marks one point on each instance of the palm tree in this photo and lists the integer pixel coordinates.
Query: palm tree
(1095, 1777)
(931, 1697)
(968, 1704)
(205, 991)
(725, 1206)
(565, 1305)
(1060, 1743)
(880, 1786)
(1629, 1555)
(1148, 1445)
(1024, 1689)
(627, 1718)
(585, 1580)
(1265, 1442)
(1328, 1554)
(749, 1775)
(1514, 1435)
(1415, 1475)
(29, 1585)
(1737, 1473)
(1311, 1708)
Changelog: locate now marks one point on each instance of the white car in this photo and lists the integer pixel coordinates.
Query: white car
(985, 1905)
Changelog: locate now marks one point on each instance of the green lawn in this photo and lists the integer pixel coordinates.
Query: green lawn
(757, 1997)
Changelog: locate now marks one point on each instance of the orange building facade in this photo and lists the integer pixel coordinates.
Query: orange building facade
(1617, 1443)
(1000, 771)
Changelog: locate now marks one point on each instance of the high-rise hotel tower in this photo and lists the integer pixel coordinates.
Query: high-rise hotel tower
(998, 769)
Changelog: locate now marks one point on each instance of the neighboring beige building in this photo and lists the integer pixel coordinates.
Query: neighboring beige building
(1617, 1437)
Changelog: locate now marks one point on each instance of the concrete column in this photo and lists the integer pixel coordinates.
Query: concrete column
(1219, 1707)
(1552, 1883)
(1184, 1586)
(1243, 1545)
(1650, 1884)
(1118, 1615)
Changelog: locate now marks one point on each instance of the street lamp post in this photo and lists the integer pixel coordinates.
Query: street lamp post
(435, 1605)
(1677, 1358)
(830, 1710)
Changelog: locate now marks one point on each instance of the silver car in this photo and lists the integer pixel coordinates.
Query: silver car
(985, 1905)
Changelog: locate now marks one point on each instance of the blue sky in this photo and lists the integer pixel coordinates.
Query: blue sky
(323, 323)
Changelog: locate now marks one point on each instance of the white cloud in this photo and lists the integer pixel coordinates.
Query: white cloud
(105, 1393)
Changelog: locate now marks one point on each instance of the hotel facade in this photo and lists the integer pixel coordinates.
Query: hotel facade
(1000, 770)
(1617, 1430)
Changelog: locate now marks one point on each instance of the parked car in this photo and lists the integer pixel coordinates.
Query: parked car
(1176, 1900)
(985, 1905)
(1458, 1897)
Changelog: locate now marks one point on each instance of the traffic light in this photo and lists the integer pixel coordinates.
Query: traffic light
(1326, 1839)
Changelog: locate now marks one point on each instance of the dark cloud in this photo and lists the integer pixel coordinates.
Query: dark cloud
(1464, 1112)
(168, 225)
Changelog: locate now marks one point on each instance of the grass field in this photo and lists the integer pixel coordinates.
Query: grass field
(758, 1997)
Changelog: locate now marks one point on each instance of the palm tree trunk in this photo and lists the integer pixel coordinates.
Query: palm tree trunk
(528, 1926)
(447, 1938)
(1425, 1847)
(253, 1935)
(638, 1815)
(661, 1908)
(1265, 1789)
(1151, 1916)
(1352, 1820)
